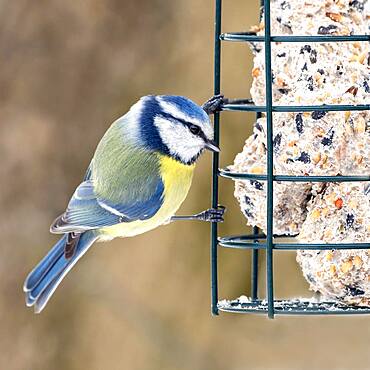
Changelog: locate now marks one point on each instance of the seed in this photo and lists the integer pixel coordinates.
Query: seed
(339, 203)
(283, 91)
(299, 122)
(315, 214)
(329, 256)
(257, 170)
(333, 269)
(327, 30)
(304, 157)
(248, 213)
(362, 58)
(258, 185)
(313, 56)
(316, 158)
(346, 266)
(248, 201)
(355, 291)
(352, 90)
(357, 4)
(258, 126)
(280, 82)
(340, 69)
(334, 16)
(310, 84)
(316, 115)
(276, 142)
(306, 48)
(256, 72)
(357, 261)
(328, 140)
(366, 87)
(319, 131)
(350, 219)
(360, 125)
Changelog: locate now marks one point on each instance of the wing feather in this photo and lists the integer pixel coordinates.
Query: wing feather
(86, 211)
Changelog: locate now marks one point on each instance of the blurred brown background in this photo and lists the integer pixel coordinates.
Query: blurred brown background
(68, 69)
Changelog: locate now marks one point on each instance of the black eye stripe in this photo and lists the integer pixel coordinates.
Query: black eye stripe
(186, 123)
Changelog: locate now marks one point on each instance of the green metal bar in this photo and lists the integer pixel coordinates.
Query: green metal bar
(294, 307)
(256, 231)
(250, 37)
(321, 178)
(289, 178)
(257, 241)
(249, 107)
(270, 163)
(254, 282)
(320, 246)
(294, 246)
(214, 226)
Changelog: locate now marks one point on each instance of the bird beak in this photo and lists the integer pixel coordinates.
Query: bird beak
(212, 146)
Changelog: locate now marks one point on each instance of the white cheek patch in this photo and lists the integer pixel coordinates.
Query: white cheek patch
(179, 140)
(175, 112)
(207, 129)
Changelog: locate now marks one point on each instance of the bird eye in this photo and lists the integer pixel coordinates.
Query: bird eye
(194, 129)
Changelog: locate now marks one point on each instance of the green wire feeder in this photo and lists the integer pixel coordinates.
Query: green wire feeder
(269, 242)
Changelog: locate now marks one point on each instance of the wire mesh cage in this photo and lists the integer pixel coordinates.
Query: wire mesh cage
(258, 240)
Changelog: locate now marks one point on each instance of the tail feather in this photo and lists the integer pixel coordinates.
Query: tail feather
(48, 274)
(45, 264)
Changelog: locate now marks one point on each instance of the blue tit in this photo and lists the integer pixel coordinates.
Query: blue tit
(140, 174)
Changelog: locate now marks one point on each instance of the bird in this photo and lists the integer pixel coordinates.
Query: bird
(139, 176)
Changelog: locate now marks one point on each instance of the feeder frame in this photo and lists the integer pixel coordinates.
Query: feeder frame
(257, 240)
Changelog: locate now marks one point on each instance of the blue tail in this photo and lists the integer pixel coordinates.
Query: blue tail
(42, 281)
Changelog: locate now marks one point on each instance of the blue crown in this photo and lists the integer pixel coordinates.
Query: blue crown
(186, 105)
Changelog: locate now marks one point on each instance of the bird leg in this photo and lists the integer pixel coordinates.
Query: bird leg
(214, 104)
(209, 215)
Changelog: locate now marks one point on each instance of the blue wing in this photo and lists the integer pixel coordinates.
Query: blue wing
(86, 211)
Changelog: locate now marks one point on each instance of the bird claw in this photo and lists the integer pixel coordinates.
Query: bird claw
(214, 104)
(212, 214)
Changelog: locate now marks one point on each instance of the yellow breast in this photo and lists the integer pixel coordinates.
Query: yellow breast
(177, 179)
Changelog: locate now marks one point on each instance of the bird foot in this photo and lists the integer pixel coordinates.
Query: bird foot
(209, 215)
(214, 104)
(212, 214)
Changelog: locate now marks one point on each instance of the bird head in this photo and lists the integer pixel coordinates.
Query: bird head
(175, 126)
